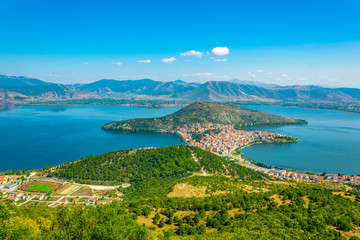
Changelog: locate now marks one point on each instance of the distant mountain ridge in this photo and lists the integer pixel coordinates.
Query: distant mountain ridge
(26, 89)
(222, 91)
(138, 87)
(14, 81)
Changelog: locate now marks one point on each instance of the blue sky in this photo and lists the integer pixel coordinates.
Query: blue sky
(283, 42)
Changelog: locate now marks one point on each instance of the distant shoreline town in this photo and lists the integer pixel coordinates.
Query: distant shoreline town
(225, 140)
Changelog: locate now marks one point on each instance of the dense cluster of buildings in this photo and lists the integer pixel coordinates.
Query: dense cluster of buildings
(303, 177)
(225, 139)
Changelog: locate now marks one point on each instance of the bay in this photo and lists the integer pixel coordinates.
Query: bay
(329, 142)
(33, 137)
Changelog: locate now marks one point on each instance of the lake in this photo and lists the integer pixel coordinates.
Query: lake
(329, 142)
(33, 137)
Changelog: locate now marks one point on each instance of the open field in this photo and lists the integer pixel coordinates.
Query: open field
(67, 189)
(83, 191)
(187, 190)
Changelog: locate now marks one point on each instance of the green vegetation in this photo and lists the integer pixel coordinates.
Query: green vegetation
(232, 209)
(39, 223)
(150, 171)
(201, 112)
(231, 202)
(41, 187)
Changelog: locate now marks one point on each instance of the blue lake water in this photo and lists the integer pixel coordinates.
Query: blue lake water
(329, 142)
(32, 137)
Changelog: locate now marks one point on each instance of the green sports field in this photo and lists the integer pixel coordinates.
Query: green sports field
(41, 187)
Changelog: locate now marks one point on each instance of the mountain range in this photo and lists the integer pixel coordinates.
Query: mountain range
(28, 89)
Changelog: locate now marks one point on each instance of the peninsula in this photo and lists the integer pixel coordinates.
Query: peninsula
(215, 127)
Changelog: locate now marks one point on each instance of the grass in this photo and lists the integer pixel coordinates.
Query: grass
(41, 187)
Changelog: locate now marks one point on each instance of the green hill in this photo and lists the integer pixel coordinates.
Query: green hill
(168, 199)
(150, 169)
(201, 112)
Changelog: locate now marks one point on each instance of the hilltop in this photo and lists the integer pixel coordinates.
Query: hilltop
(202, 113)
(16, 81)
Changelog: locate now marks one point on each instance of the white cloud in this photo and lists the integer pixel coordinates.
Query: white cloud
(117, 63)
(144, 61)
(284, 75)
(198, 75)
(220, 60)
(220, 51)
(249, 72)
(191, 53)
(253, 76)
(169, 60)
(85, 63)
(260, 70)
(270, 73)
(207, 53)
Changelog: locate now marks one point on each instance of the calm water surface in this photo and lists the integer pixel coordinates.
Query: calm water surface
(329, 142)
(33, 137)
(37, 136)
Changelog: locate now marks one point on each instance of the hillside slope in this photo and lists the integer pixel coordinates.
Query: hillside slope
(229, 91)
(42, 92)
(148, 169)
(201, 112)
(15, 81)
(138, 87)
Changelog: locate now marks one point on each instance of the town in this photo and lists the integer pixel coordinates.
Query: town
(225, 140)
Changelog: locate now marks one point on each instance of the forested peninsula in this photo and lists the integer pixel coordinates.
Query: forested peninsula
(201, 113)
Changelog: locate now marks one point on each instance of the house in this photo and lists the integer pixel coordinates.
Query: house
(39, 197)
(14, 199)
(119, 194)
(125, 185)
(13, 178)
(94, 199)
(2, 178)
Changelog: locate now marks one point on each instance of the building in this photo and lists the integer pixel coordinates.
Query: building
(11, 186)
(39, 197)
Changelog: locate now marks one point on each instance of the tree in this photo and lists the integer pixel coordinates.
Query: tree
(161, 223)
